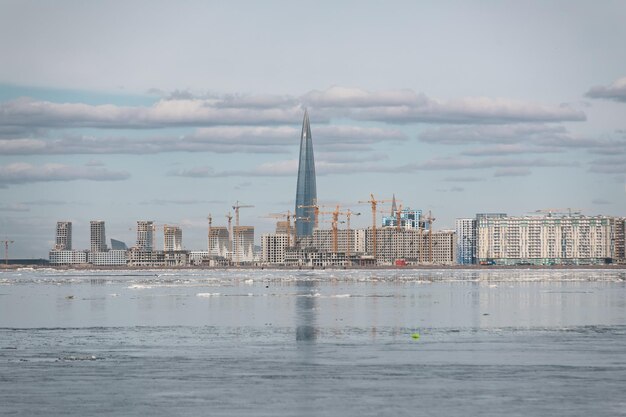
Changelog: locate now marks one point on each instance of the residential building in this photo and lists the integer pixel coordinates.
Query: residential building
(273, 248)
(466, 241)
(243, 244)
(113, 257)
(172, 238)
(545, 240)
(97, 236)
(219, 241)
(67, 257)
(64, 236)
(145, 235)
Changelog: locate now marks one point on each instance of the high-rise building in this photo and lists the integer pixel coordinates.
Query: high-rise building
(219, 241)
(306, 192)
(243, 244)
(64, 236)
(466, 241)
(145, 235)
(172, 238)
(98, 238)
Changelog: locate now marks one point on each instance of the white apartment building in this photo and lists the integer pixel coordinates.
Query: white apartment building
(97, 236)
(67, 257)
(110, 258)
(545, 240)
(273, 248)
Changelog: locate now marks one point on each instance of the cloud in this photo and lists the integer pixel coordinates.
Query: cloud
(512, 172)
(186, 109)
(94, 163)
(609, 165)
(14, 207)
(509, 149)
(168, 202)
(456, 163)
(453, 189)
(616, 91)
(23, 173)
(222, 139)
(337, 96)
(600, 201)
(473, 110)
(463, 179)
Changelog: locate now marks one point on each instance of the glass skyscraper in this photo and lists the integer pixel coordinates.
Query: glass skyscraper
(306, 192)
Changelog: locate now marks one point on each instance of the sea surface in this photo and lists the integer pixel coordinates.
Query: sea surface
(313, 343)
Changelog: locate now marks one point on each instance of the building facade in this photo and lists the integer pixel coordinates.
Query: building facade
(466, 241)
(109, 258)
(172, 238)
(243, 244)
(97, 236)
(145, 235)
(64, 236)
(545, 240)
(274, 248)
(67, 257)
(219, 241)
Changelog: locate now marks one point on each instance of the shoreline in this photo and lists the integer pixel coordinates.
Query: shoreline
(12, 267)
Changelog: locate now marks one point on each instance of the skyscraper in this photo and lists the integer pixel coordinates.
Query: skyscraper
(98, 238)
(145, 235)
(306, 192)
(172, 238)
(64, 236)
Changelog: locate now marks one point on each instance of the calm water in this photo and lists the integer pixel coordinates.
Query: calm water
(316, 343)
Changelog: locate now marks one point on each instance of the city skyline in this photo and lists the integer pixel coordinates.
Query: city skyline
(524, 112)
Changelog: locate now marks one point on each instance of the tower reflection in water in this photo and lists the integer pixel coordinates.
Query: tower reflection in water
(306, 330)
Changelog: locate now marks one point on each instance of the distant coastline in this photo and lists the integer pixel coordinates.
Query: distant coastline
(308, 268)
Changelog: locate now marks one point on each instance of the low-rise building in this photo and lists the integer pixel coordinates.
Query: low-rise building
(67, 257)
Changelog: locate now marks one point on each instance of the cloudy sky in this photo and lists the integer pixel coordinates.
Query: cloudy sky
(148, 110)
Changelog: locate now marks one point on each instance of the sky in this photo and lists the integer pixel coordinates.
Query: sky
(168, 111)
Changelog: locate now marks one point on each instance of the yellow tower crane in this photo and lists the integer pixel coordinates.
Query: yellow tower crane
(374, 204)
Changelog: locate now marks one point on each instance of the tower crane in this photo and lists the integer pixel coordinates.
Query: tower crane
(229, 217)
(430, 219)
(374, 203)
(6, 250)
(349, 213)
(316, 212)
(236, 207)
(289, 215)
(210, 219)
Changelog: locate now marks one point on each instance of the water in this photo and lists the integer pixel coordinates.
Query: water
(315, 343)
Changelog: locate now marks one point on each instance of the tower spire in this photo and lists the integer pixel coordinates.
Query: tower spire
(306, 191)
(393, 206)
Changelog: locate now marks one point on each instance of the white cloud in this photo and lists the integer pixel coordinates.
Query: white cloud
(402, 106)
(218, 139)
(512, 172)
(22, 173)
(615, 91)
(456, 163)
